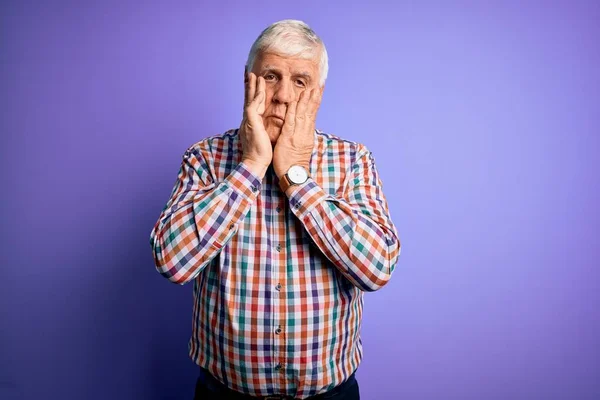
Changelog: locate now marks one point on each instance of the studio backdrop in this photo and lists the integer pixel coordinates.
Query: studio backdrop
(483, 120)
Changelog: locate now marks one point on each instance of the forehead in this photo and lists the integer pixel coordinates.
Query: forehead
(285, 64)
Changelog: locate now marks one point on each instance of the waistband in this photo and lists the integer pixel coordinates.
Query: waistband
(215, 385)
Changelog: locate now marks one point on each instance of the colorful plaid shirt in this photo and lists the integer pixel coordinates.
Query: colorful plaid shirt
(278, 281)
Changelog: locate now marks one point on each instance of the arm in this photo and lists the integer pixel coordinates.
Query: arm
(355, 232)
(200, 217)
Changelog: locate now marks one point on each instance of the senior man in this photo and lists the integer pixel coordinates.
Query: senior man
(282, 228)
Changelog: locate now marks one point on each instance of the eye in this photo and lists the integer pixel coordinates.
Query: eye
(269, 77)
(300, 82)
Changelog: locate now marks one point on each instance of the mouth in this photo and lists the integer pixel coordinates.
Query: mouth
(276, 120)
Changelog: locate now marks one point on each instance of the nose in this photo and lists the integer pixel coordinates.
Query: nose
(284, 93)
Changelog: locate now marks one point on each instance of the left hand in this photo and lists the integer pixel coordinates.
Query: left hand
(296, 141)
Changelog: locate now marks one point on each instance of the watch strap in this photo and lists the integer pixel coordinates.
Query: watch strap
(285, 183)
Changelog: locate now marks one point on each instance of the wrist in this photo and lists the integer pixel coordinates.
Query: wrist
(296, 174)
(285, 169)
(289, 190)
(258, 169)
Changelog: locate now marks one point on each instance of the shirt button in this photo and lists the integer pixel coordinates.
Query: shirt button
(278, 247)
(278, 367)
(231, 226)
(278, 209)
(278, 287)
(278, 331)
(254, 188)
(297, 205)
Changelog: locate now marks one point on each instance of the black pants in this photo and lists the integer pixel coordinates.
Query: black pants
(209, 388)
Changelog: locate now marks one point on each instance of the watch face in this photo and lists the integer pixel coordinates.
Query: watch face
(297, 174)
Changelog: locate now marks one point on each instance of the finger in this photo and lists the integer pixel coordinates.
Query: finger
(289, 122)
(260, 84)
(303, 104)
(246, 79)
(258, 102)
(251, 89)
(314, 103)
(261, 95)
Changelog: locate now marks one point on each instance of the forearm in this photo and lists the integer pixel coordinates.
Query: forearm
(365, 248)
(197, 223)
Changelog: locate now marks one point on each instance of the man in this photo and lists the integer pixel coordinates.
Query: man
(282, 228)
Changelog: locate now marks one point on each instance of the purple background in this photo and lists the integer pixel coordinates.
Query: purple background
(484, 122)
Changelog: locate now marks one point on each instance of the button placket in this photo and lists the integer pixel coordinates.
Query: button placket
(277, 211)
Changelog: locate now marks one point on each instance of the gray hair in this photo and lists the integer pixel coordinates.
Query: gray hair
(291, 38)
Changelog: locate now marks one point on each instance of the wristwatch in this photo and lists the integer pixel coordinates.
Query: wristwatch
(296, 175)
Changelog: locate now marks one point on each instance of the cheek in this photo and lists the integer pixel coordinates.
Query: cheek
(297, 91)
(269, 95)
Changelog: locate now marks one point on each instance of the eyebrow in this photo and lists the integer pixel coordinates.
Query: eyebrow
(271, 68)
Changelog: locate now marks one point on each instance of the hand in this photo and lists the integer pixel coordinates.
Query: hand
(296, 141)
(256, 145)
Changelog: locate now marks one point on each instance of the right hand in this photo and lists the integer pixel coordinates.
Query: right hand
(256, 145)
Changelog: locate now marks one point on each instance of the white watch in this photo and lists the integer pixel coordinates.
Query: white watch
(296, 175)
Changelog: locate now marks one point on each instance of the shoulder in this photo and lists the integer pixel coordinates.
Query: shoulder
(332, 142)
(226, 142)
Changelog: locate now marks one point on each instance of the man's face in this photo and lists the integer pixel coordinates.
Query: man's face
(285, 78)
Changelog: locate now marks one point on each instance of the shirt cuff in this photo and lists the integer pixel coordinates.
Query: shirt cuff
(305, 197)
(244, 181)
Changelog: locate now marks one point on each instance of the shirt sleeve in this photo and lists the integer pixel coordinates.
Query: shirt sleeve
(355, 232)
(200, 217)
